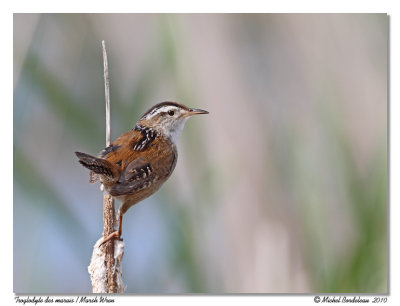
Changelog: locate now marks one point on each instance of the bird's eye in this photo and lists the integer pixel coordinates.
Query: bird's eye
(171, 112)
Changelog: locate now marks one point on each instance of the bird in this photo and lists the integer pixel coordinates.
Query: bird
(140, 161)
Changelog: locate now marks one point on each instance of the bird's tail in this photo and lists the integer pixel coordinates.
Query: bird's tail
(99, 166)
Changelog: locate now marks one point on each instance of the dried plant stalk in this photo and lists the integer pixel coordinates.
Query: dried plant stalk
(105, 266)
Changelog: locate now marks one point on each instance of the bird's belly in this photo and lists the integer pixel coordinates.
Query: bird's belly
(131, 199)
(140, 195)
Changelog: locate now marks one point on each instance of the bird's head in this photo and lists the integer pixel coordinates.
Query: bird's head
(168, 118)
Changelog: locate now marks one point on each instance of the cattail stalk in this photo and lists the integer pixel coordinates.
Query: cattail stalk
(105, 265)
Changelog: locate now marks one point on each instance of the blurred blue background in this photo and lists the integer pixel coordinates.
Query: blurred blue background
(281, 189)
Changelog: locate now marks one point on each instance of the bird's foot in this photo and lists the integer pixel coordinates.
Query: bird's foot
(113, 235)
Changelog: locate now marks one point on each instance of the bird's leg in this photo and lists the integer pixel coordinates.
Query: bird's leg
(116, 234)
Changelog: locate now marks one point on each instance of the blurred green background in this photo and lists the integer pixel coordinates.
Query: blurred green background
(281, 189)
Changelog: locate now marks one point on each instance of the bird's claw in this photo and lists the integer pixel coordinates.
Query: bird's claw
(113, 235)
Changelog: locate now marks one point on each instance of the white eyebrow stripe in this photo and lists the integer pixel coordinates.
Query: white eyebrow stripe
(158, 110)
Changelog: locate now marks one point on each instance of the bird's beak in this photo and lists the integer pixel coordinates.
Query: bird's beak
(195, 111)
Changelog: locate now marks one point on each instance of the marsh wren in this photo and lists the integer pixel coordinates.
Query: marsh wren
(139, 161)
